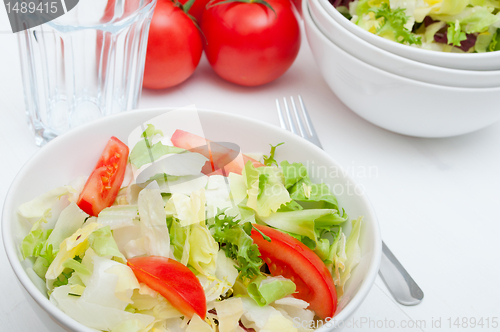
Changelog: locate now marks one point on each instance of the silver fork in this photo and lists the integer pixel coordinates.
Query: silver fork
(401, 285)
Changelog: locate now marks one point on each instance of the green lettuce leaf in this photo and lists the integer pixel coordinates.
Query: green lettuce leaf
(269, 160)
(265, 189)
(145, 152)
(348, 255)
(306, 223)
(103, 244)
(455, 34)
(495, 42)
(266, 290)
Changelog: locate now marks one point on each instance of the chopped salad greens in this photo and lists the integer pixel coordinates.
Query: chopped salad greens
(459, 26)
(189, 249)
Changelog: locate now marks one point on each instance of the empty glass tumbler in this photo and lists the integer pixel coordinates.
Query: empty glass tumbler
(85, 64)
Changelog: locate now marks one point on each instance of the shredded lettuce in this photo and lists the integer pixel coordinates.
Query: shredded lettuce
(229, 313)
(265, 189)
(103, 244)
(187, 209)
(198, 325)
(94, 315)
(118, 216)
(348, 256)
(73, 246)
(153, 219)
(203, 250)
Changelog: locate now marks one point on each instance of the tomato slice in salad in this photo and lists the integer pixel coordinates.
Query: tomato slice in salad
(173, 281)
(222, 160)
(290, 258)
(104, 182)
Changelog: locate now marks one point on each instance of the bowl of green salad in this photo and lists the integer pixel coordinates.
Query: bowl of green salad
(189, 220)
(457, 34)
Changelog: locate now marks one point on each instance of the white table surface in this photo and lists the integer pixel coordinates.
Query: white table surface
(437, 199)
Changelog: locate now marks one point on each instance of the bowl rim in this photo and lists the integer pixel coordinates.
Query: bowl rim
(57, 314)
(393, 56)
(314, 26)
(336, 15)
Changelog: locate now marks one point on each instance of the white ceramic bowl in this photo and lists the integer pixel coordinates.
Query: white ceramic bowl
(394, 63)
(467, 61)
(75, 152)
(396, 103)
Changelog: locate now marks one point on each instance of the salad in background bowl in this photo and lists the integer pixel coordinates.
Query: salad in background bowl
(124, 243)
(446, 25)
(419, 29)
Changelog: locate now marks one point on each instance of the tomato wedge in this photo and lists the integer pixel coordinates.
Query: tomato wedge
(105, 180)
(290, 258)
(173, 281)
(222, 160)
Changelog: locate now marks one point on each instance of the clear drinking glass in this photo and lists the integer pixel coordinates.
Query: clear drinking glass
(85, 64)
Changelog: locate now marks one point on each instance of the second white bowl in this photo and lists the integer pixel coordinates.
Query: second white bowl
(396, 103)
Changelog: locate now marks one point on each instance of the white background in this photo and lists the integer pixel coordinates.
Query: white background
(437, 199)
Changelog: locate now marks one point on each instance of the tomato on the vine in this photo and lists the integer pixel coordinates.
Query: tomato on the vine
(249, 43)
(174, 47)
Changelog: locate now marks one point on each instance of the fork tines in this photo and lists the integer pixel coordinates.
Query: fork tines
(303, 122)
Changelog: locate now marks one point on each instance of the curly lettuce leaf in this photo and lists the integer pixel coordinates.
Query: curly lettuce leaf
(269, 160)
(237, 244)
(392, 25)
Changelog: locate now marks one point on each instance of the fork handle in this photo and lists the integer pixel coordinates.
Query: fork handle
(399, 282)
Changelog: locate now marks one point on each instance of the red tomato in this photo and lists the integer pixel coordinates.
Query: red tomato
(222, 160)
(288, 257)
(173, 281)
(248, 44)
(174, 47)
(197, 8)
(105, 180)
